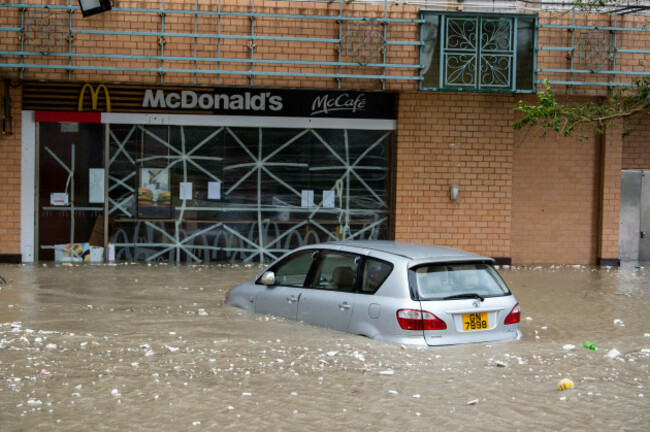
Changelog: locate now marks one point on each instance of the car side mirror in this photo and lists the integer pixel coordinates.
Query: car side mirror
(268, 278)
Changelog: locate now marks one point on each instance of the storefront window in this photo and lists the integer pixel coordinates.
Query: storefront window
(231, 194)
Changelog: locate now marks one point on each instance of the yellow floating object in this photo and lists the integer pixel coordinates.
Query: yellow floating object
(565, 384)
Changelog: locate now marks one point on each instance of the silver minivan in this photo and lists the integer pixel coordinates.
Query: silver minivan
(399, 292)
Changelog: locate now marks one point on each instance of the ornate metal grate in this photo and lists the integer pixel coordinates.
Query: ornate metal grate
(46, 30)
(478, 52)
(363, 42)
(595, 50)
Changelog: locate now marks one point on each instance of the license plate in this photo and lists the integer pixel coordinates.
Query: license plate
(475, 321)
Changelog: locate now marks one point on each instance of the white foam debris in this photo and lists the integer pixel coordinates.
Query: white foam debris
(51, 346)
(500, 363)
(332, 353)
(416, 396)
(569, 347)
(613, 353)
(619, 322)
(34, 402)
(115, 393)
(359, 356)
(202, 312)
(247, 394)
(387, 372)
(393, 392)
(172, 349)
(472, 402)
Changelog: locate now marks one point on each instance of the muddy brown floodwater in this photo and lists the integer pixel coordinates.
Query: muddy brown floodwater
(153, 347)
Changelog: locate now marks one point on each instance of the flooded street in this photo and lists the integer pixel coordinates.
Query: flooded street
(153, 347)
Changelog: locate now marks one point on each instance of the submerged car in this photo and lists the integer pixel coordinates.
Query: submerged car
(399, 292)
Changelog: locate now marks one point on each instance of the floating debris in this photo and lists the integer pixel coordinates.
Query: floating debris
(565, 384)
(613, 353)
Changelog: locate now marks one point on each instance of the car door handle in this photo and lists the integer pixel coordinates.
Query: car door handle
(345, 306)
(293, 299)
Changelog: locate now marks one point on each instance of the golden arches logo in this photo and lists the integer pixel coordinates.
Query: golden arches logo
(94, 95)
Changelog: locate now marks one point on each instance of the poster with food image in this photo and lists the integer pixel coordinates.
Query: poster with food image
(153, 195)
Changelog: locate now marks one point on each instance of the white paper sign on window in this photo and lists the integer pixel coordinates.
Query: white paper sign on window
(96, 185)
(329, 197)
(307, 198)
(185, 190)
(214, 190)
(59, 199)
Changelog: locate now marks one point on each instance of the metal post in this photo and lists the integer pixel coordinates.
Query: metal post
(70, 41)
(72, 196)
(196, 18)
(162, 43)
(338, 79)
(107, 155)
(252, 40)
(218, 41)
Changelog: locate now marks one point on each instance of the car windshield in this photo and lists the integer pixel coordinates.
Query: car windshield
(457, 281)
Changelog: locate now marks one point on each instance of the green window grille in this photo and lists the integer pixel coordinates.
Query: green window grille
(466, 52)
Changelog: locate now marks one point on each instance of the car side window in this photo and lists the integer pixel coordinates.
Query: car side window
(375, 273)
(337, 271)
(293, 271)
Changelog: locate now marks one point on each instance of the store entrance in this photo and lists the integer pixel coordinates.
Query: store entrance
(70, 191)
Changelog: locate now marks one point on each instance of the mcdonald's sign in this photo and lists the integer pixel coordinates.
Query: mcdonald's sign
(94, 96)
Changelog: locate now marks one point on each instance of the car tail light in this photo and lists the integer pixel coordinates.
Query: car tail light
(514, 316)
(412, 319)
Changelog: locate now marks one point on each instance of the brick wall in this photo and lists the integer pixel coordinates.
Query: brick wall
(610, 193)
(10, 179)
(636, 143)
(555, 198)
(461, 139)
(533, 199)
(219, 37)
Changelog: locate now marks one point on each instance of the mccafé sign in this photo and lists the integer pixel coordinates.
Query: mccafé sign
(102, 97)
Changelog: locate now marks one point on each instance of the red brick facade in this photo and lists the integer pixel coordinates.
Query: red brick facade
(533, 199)
(449, 139)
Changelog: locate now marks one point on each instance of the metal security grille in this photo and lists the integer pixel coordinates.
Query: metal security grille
(478, 52)
(254, 193)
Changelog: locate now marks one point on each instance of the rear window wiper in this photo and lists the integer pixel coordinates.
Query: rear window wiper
(465, 296)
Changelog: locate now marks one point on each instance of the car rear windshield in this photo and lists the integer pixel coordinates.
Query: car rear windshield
(451, 281)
